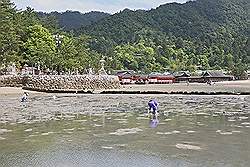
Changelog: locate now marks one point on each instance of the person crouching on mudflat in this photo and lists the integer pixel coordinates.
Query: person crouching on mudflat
(153, 107)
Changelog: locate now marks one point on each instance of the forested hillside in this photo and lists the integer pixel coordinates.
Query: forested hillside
(202, 34)
(71, 20)
(190, 20)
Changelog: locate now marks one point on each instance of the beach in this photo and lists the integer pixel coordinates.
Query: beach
(233, 87)
(66, 128)
(93, 129)
(15, 91)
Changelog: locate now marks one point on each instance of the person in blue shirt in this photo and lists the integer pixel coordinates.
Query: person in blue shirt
(153, 107)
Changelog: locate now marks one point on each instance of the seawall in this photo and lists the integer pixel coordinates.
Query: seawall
(61, 83)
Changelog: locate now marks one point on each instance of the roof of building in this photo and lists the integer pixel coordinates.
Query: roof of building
(124, 73)
(141, 76)
(126, 76)
(182, 74)
(214, 74)
(156, 74)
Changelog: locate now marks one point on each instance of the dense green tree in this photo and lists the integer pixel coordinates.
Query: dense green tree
(202, 34)
(70, 20)
(87, 58)
(9, 42)
(138, 57)
(239, 71)
(65, 56)
(39, 47)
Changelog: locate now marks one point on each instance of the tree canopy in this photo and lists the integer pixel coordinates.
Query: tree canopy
(197, 35)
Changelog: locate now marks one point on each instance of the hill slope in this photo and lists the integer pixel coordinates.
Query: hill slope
(71, 20)
(192, 19)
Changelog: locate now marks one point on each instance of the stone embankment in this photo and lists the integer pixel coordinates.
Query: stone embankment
(61, 83)
(12, 80)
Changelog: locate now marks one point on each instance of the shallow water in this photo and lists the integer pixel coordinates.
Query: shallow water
(113, 130)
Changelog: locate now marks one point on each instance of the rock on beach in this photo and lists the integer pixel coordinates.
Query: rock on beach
(188, 147)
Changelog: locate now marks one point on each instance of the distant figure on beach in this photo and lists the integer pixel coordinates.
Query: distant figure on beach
(153, 107)
(154, 122)
(24, 98)
(54, 97)
(209, 82)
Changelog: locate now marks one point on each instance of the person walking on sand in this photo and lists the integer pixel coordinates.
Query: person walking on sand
(153, 107)
(24, 98)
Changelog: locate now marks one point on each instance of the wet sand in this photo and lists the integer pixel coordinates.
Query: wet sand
(114, 130)
(226, 87)
(14, 91)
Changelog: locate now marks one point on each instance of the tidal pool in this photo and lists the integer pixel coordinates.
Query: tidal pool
(114, 130)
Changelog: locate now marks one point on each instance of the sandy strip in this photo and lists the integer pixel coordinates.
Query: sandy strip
(4, 91)
(229, 86)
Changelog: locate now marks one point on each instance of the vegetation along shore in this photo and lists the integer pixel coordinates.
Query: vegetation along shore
(196, 35)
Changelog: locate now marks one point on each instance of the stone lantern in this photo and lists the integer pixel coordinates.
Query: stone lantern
(12, 69)
(102, 70)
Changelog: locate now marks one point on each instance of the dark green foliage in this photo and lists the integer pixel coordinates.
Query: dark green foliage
(26, 38)
(192, 19)
(9, 43)
(39, 47)
(201, 34)
(70, 20)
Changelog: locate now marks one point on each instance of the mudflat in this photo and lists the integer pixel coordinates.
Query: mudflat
(229, 86)
(14, 91)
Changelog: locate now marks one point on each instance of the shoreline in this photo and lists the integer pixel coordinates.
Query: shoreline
(5, 91)
(43, 107)
(219, 88)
